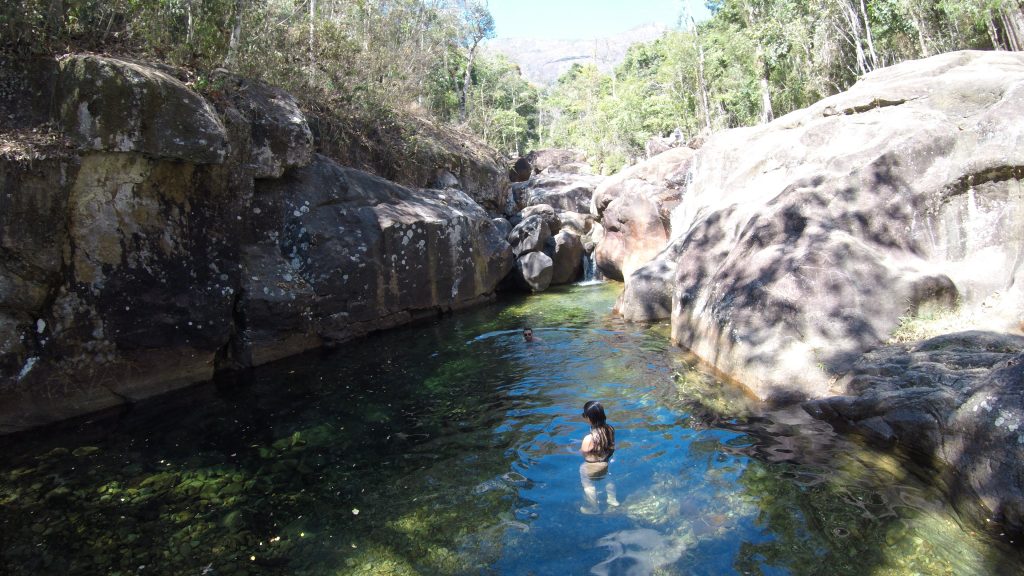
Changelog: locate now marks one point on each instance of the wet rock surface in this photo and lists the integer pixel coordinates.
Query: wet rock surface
(956, 401)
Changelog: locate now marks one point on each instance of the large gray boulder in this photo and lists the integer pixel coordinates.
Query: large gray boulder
(634, 207)
(566, 257)
(563, 192)
(280, 137)
(123, 106)
(800, 244)
(549, 214)
(551, 160)
(533, 271)
(336, 253)
(530, 235)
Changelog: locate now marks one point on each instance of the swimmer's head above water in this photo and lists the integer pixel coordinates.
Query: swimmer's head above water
(594, 412)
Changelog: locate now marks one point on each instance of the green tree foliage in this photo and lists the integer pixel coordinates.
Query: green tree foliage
(371, 59)
(755, 60)
(502, 105)
(375, 59)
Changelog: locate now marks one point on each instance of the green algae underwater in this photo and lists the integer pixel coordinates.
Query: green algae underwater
(449, 447)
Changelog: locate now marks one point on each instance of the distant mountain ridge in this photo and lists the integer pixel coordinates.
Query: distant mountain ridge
(542, 61)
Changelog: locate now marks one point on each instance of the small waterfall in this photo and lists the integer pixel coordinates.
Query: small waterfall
(591, 274)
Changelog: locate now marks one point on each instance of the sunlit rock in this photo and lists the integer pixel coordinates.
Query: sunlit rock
(633, 206)
(562, 191)
(801, 243)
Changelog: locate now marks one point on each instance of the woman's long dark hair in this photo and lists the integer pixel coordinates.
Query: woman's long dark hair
(601, 433)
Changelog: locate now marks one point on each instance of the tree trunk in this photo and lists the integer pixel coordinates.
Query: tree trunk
(701, 84)
(312, 36)
(867, 28)
(466, 79)
(236, 36)
(993, 33)
(190, 25)
(767, 115)
(1013, 26)
(919, 26)
(762, 66)
(857, 38)
(55, 17)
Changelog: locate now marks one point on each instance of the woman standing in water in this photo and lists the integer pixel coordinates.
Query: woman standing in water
(597, 450)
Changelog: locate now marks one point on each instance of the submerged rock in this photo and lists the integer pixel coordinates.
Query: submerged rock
(957, 400)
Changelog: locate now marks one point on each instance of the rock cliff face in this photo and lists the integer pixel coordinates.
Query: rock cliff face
(181, 237)
(797, 247)
(800, 244)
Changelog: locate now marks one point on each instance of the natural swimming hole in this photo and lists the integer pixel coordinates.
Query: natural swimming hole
(449, 447)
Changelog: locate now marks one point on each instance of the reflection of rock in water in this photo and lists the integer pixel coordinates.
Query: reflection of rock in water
(639, 552)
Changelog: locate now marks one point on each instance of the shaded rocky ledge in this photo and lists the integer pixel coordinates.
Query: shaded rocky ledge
(182, 237)
(955, 402)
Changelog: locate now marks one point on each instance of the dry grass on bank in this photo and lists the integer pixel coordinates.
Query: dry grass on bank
(1000, 312)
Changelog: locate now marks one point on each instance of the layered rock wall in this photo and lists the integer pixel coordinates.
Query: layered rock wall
(182, 237)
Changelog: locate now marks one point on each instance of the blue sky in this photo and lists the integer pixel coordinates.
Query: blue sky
(578, 19)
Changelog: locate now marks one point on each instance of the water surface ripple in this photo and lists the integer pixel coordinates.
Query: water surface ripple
(450, 448)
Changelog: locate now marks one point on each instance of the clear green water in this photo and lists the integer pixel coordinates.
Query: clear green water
(449, 448)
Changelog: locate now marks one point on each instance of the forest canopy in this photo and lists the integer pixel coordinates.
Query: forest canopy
(753, 60)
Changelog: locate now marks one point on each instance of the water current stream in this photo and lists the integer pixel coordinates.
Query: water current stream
(450, 448)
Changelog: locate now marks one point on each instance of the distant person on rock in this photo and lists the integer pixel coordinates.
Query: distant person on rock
(597, 449)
